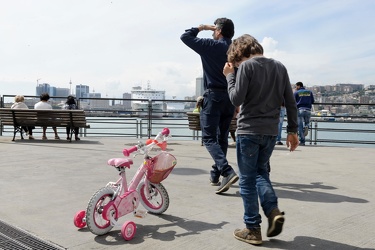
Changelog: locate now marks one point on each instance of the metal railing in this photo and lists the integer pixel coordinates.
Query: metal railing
(354, 127)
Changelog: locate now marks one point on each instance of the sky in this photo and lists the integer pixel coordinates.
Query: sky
(114, 45)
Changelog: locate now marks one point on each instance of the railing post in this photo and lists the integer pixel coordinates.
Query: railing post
(137, 124)
(315, 132)
(149, 128)
(140, 128)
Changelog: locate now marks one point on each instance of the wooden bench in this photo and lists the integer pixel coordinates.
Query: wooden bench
(195, 124)
(19, 118)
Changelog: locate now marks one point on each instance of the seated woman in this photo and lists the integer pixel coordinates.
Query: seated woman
(71, 104)
(19, 104)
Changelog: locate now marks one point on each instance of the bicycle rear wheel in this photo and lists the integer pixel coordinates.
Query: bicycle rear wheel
(94, 217)
(158, 201)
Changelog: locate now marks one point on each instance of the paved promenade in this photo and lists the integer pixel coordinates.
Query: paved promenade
(327, 193)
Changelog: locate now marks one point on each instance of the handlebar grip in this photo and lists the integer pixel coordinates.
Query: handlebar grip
(127, 152)
(165, 131)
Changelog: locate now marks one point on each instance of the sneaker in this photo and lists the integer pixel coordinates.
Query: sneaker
(57, 137)
(31, 137)
(214, 182)
(68, 138)
(226, 182)
(275, 223)
(251, 236)
(279, 143)
(301, 144)
(44, 138)
(305, 130)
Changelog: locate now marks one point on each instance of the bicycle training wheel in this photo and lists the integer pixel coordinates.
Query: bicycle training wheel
(128, 230)
(80, 219)
(158, 201)
(94, 217)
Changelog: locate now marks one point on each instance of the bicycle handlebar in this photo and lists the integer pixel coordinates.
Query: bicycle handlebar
(161, 135)
(127, 152)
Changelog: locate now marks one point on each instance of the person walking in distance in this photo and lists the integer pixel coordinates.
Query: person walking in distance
(217, 110)
(304, 99)
(259, 87)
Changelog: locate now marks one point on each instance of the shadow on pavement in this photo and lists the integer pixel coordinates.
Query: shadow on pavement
(160, 232)
(304, 192)
(305, 243)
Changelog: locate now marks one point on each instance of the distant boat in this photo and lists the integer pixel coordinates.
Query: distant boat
(324, 115)
(141, 107)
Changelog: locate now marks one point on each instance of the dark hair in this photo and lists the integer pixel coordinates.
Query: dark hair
(299, 84)
(44, 97)
(226, 26)
(71, 100)
(243, 46)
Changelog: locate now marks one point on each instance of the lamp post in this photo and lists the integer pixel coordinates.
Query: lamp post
(70, 88)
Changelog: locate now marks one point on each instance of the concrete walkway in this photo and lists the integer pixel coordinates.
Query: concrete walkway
(327, 194)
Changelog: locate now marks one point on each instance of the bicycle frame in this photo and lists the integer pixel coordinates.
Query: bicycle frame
(126, 198)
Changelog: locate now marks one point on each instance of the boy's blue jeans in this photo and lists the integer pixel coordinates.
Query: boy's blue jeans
(253, 154)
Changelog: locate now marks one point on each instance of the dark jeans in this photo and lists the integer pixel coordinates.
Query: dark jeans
(76, 130)
(28, 130)
(216, 115)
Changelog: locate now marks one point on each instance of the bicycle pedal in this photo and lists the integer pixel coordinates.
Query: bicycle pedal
(140, 213)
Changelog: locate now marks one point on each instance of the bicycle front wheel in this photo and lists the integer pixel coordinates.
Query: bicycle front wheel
(94, 216)
(154, 198)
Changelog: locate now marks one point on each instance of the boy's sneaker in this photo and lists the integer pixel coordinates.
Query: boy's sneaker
(251, 236)
(305, 130)
(226, 182)
(275, 223)
(279, 143)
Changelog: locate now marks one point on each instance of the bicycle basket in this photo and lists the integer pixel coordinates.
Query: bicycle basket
(161, 166)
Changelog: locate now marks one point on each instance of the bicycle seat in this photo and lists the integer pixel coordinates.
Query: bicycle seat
(120, 162)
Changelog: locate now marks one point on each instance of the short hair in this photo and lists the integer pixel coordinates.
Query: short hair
(226, 26)
(300, 84)
(19, 98)
(44, 97)
(243, 46)
(71, 100)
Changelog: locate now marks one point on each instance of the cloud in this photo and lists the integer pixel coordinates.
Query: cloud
(112, 45)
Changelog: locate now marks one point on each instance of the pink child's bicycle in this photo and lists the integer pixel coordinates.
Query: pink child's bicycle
(117, 199)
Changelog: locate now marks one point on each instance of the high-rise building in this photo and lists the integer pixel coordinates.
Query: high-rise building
(43, 88)
(199, 88)
(82, 91)
(127, 103)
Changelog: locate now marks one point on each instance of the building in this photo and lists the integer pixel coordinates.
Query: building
(199, 86)
(82, 91)
(127, 103)
(45, 88)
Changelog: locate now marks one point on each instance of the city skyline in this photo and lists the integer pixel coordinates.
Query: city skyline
(113, 46)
